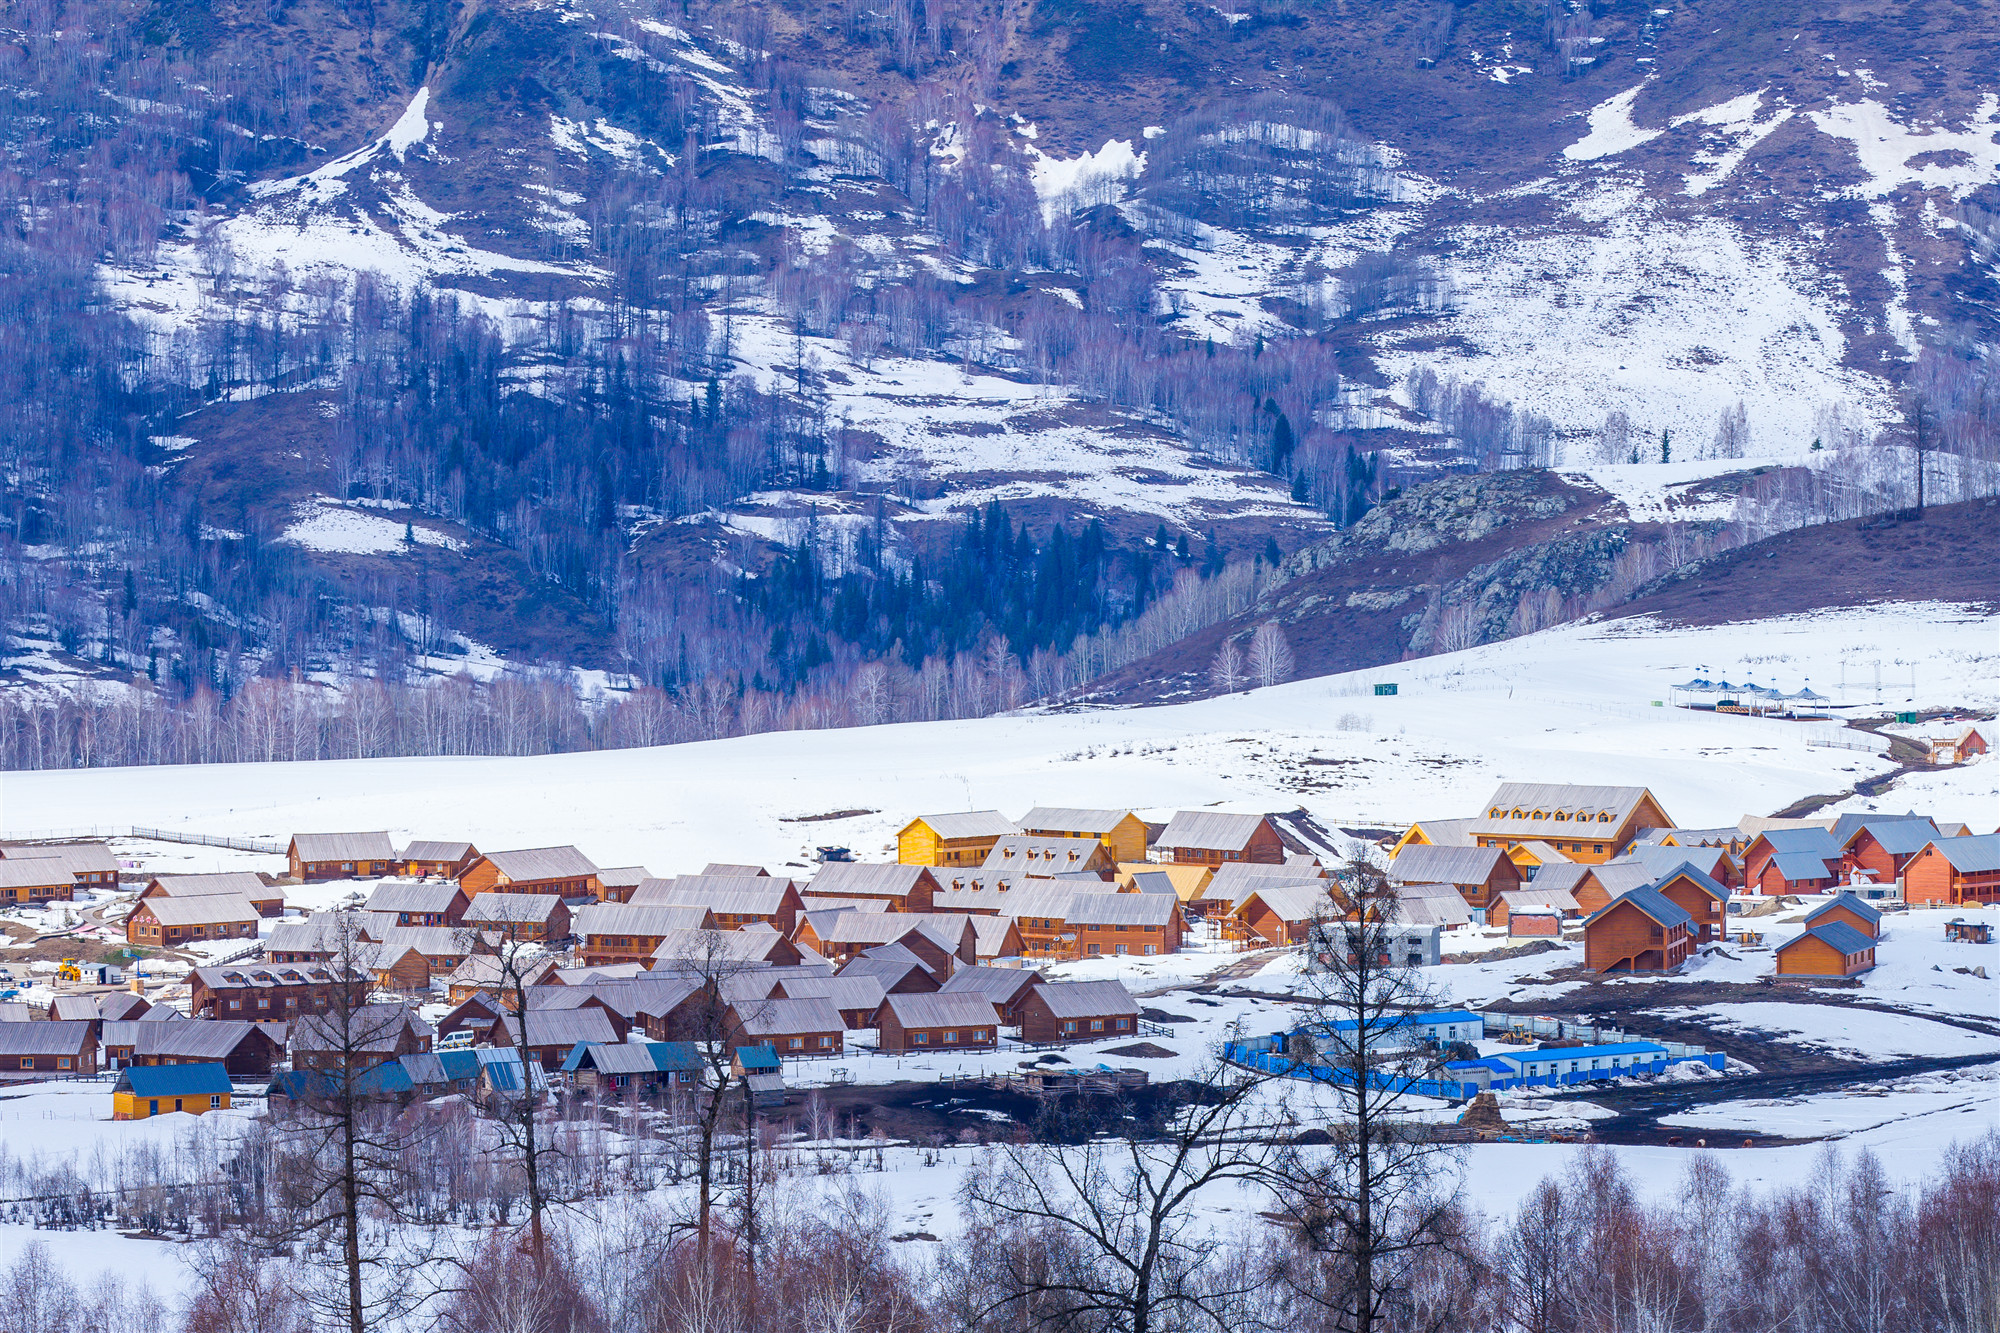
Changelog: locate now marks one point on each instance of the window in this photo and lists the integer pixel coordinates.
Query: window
(1095, 948)
(826, 1043)
(347, 865)
(263, 1002)
(951, 1036)
(236, 1004)
(1124, 1024)
(1152, 949)
(1097, 1025)
(1069, 1025)
(1598, 847)
(979, 1034)
(65, 1062)
(798, 1043)
(215, 1102)
(27, 1062)
(1119, 950)
(177, 1103)
(920, 1039)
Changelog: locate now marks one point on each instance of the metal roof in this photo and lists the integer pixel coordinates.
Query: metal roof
(1838, 935)
(1818, 841)
(1292, 902)
(940, 1010)
(1847, 825)
(536, 863)
(197, 1080)
(36, 873)
(1576, 804)
(1650, 901)
(1443, 910)
(634, 1057)
(1803, 865)
(889, 969)
(561, 1027)
(246, 882)
(343, 847)
(1087, 999)
(838, 879)
(206, 910)
(256, 976)
(1446, 865)
(739, 895)
(507, 909)
(989, 934)
(211, 1040)
(860, 991)
(1562, 878)
(1448, 832)
(721, 946)
(76, 857)
(1905, 837)
(1700, 879)
(413, 895)
(779, 1018)
(1122, 909)
(967, 824)
(1538, 895)
(1153, 881)
(437, 851)
(369, 1027)
(1001, 985)
(623, 877)
(1027, 854)
(1856, 905)
(945, 928)
(1663, 860)
(1072, 819)
(48, 1037)
(1970, 855)
(645, 919)
(734, 868)
(1209, 830)
(1622, 876)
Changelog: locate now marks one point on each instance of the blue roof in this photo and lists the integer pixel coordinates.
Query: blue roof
(1853, 904)
(1544, 1053)
(1847, 825)
(1802, 865)
(1971, 854)
(504, 1077)
(1399, 1020)
(1817, 840)
(383, 1079)
(1650, 901)
(1905, 837)
(459, 1064)
(757, 1057)
(1493, 1062)
(203, 1080)
(1837, 935)
(1707, 883)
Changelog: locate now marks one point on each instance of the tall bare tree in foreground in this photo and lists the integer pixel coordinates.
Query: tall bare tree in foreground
(1104, 1236)
(517, 964)
(1373, 1210)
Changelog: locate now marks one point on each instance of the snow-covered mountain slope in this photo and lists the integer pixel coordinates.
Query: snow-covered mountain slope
(1581, 703)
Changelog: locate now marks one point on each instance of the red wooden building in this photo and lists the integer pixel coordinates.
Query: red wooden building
(1638, 931)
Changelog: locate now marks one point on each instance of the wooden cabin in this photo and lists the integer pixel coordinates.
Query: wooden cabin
(1117, 924)
(1211, 838)
(437, 859)
(1702, 897)
(1879, 849)
(322, 856)
(899, 887)
(756, 944)
(1560, 901)
(1078, 1011)
(416, 902)
(1435, 833)
(1813, 840)
(1588, 824)
(549, 1035)
(562, 871)
(39, 880)
(1533, 855)
(1020, 856)
(1188, 881)
(1480, 874)
(857, 998)
(247, 1049)
(943, 941)
(997, 937)
(1950, 872)
(55, 1048)
(1122, 832)
(268, 899)
(537, 917)
(1959, 931)
(937, 1023)
(622, 933)
(408, 957)
(1850, 911)
(268, 992)
(1831, 949)
(643, 1067)
(193, 1089)
(1947, 750)
(795, 1028)
(90, 865)
(1793, 873)
(358, 1039)
(896, 969)
(1040, 912)
(1284, 913)
(1638, 931)
(735, 900)
(1533, 920)
(617, 884)
(961, 839)
(1006, 987)
(169, 923)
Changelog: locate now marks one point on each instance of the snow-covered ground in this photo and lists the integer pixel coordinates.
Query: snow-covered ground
(1580, 703)
(1852, 1034)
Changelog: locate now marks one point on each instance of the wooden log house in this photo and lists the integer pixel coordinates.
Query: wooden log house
(167, 923)
(314, 857)
(1588, 824)
(937, 1022)
(562, 871)
(268, 899)
(1122, 832)
(1078, 1011)
(269, 991)
(959, 840)
(1212, 838)
(1638, 931)
(1952, 872)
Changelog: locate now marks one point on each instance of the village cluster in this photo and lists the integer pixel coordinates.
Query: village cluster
(948, 949)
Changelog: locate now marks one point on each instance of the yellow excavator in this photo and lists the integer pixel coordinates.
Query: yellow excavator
(71, 970)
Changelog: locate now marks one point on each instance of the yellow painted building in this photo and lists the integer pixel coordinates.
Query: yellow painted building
(1121, 831)
(144, 1092)
(1188, 880)
(961, 839)
(1589, 825)
(1435, 833)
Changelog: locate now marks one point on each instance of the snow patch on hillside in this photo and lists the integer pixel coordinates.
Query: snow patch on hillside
(1892, 154)
(1059, 179)
(1611, 129)
(324, 525)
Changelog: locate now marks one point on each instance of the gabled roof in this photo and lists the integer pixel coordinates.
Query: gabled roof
(535, 863)
(437, 851)
(322, 932)
(1123, 909)
(1001, 985)
(1448, 909)
(1561, 878)
(1209, 830)
(739, 895)
(1536, 895)
(208, 909)
(623, 877)
(1068, 818)
(1705, 882)
(1623, 876)
(49, 1037)
(1291, 902)
(1153, 881)
(780, 1018)
(413, 895)
(1543, 853)
(989, 934)
(634, 1057)
(248, 883)
(1662, 860)
(1447, 832)
(966, 824)
(1837, 935)
(194, 1080)
(888, 965)
(1026, 853)
(1579, 807)
(369, 1027)
(860, 991)
(847, 879)
(1852, 903)
(1851, 823)
(722, 946)
(814, 903)
(1970, 856)
(734, 868)
(560, 1027)
(947, 929)
(1650, 901)
(626, 919)
(1803, 865)
(76, 857)
(204, 1040)
(939, 1010)
(343, 847)
(1904, 837)
(430, 941)
(1087, 999)
(510, 909)
(1425, 864)
(254, 976)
